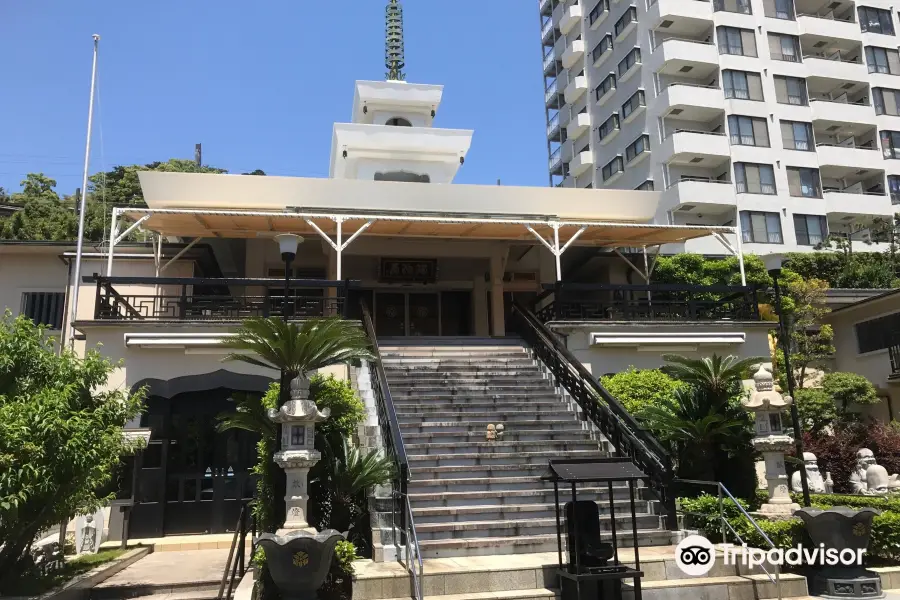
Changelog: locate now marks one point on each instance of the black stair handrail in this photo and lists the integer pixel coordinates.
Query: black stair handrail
(238, 564)
(604, 410)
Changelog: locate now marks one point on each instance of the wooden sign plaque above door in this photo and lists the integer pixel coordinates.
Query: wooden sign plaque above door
(402, 270)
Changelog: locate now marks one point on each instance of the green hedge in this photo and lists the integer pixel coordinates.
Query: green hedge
(703, 513)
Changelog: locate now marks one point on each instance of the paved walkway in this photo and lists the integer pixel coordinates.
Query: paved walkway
(215, 541)
(171, 569)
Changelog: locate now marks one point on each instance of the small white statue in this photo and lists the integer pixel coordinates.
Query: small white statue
(491, 433)
(817, 485)
(88, 534)
(500, 431)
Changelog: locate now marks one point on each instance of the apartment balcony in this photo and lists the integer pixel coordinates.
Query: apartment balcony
(551, 95)
(553, 128)
(547, 32)
(680, 17)
(849, 156)
(576, 89)
(573, 54)
(684, 58)
(829, 27)
(860, 112)
(546, 7)
(556, 161)
(699, 195)
(835, 68)
(578, 125)
(702, 149)
(571, 18)
(854, 205)
(691, 102)
(552, 65)
(581, 162)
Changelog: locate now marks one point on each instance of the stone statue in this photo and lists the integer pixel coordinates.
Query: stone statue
(817, 485)
(864, 459)
(501, 429)
(88, 532)
(491, 433)
(877, 480)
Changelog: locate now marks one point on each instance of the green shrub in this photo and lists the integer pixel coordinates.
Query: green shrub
(702, 512)
(849, 388)
(344, 555)
(347, 410)
(639, 388)
(816, 409)
(885, 542)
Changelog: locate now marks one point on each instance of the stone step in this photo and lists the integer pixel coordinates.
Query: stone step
(423, 461)
(484, 406)
(500, 447)
(453, 363)
(400, 380)
(475, 484)
(733, 586)
(517, 527)
(527, 544)
(461, 350)
(466, 371)
(198, 590)
(436, 396)
(450, 388)
(522, 425)
(509, 435)
(478, 421)
(444, 514)
(465, 471)
(510, 497)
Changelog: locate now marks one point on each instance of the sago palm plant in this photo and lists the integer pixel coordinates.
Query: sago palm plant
(718, 377)
(350, 472)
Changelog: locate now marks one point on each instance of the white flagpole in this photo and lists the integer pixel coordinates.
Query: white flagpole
(83, 204)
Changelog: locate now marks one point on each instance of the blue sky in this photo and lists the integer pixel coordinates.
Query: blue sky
(259, 84)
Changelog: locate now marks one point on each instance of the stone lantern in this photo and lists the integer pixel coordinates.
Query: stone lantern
(298, 455)
(771, 441)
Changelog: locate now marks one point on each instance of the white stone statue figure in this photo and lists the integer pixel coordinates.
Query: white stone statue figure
(864, 459)
(88, 532)
(817, 485)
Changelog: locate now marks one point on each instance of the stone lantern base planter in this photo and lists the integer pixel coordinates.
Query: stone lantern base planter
(841, 528)
(299, 561)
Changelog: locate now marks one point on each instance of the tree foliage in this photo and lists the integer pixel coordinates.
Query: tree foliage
(695, 269)
(811, 341)
(60, 435)
(849, 388)
(638, 389)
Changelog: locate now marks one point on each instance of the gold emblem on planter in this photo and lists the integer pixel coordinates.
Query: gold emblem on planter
(301, 559)
(860, 530)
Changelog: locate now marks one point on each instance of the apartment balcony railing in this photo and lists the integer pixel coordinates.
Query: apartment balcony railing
(555, 158)
(215, 300)
(894, 353)
(829, 17)
(654, 302)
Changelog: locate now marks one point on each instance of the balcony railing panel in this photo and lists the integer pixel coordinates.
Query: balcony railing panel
(215, 300)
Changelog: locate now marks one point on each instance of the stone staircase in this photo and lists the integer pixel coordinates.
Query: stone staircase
(471, 496)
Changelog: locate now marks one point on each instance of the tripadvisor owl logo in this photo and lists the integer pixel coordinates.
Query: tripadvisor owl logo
(695, 555)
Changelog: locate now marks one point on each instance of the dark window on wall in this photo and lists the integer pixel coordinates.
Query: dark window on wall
(804, 182)
(614, 166)
(875, 20)
(605, 45)
(761, 227)
(790, 90)
(735, 6)
(883, 60)
(894, 188)
(811, 230)
(598, 11)
(632, 104)
(626, 19)
(796, 135)
(890, 144)
(733, 40)
(779, 9)
(748, 131)
(647, 186)
(742, 85)
(44, 308)
(608, 126)
(784, 47)
(877, 334)
(605, 86)
(637, 147)
(886, 101)
(752, 178)
(631, 59)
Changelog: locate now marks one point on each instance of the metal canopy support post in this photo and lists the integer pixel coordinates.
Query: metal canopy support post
(134, 226)
(181, 253)
(555, 247)
(340, 245)
(644, 274)
(739, 251)
(113, 233)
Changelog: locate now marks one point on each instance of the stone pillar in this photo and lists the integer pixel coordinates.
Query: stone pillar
(480, 307)
(297, 419)
(498, 312)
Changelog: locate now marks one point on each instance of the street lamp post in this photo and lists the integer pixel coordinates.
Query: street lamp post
(774, 262)
(287, 244)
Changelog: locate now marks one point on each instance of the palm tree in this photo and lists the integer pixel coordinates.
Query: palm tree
(296, 349)
(349, 473)
(717, 377)
(251, 415)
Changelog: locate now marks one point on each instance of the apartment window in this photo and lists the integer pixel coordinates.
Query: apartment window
(779, 9)
(894, 188)
(797, 135)
(761, 227)
(890, 144)
(625, 20)
(631, 59)
(804, 182)
(883, 60)
(613, 167)
(736, 41)
(877, 334)
(875, 20)
(748, 131)
(44, 308)
(647, 186)
(886, 101)
(610, 125)
(735, 6)
(811, 230)
(637, 147)
(790, 90)
(742, 85)
(603, 47)
(632, 104)
(784, 47)
(751, 178)
(609, 83)
(598, 11)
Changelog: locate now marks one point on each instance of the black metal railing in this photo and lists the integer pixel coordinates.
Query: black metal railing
(894, 353)
(237, 564)
(403, 524)
(203, 299)
(654, 302)
(618, 426)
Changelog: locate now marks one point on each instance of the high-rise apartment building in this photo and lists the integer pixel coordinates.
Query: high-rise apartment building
(781, 114)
